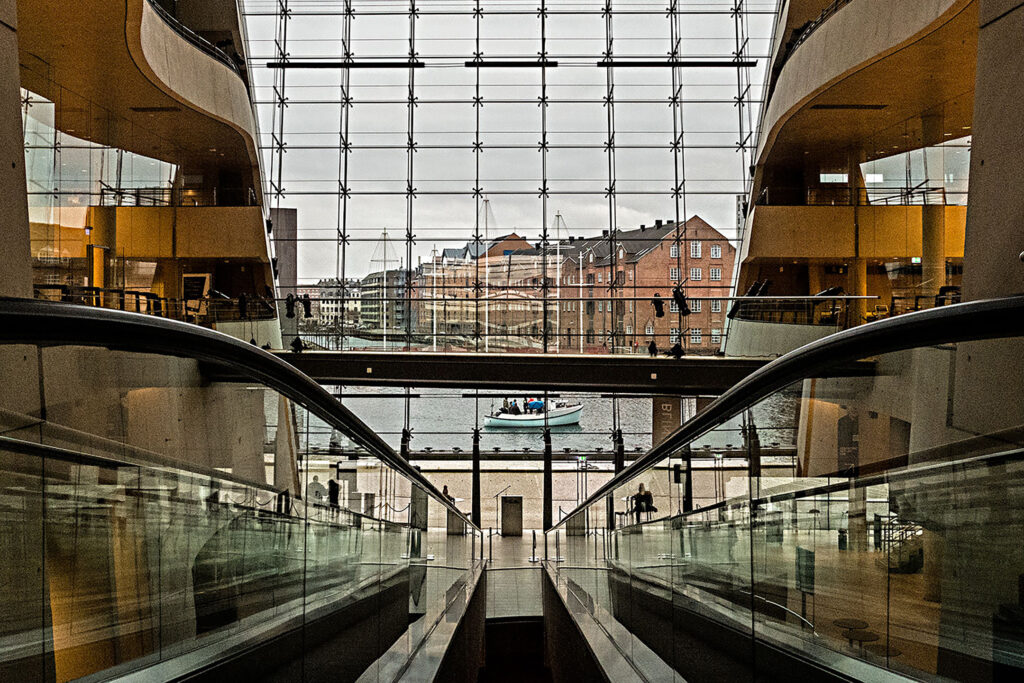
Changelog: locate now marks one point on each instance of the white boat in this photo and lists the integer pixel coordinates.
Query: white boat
(561, 414)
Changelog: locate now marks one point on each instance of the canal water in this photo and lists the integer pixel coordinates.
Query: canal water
(443, 420)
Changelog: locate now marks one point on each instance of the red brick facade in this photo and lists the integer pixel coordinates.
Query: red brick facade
(643, 265)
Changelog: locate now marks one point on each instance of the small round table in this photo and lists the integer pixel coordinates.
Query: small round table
(851, 624)
(860, 636)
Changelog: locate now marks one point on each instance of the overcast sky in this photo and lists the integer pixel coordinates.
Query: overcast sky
(510, 165)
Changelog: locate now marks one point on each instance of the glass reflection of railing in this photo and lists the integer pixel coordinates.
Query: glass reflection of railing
(795, 310)
(195, 39)
(206, 311)
(171, 196)
(157, 503)
(883, 551)
(871, 196)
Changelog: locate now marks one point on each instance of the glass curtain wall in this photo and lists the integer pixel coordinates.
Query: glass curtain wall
(487, 175)
(67, 176)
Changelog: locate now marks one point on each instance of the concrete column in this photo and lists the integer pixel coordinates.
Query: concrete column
(476, 478)
(548, 482)
(857, 279)
(16, 273)
(858, 275)
(934, 547)
(933, 218)
(995, 213)
(857, 527)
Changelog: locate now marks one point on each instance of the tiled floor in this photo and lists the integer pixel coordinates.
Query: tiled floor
(513, 582)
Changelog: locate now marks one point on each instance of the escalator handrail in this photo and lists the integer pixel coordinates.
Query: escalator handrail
(970, 321)
(53, 323)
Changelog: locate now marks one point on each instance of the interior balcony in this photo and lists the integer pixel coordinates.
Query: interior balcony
(864, 79)
(190, 263)
(896, 259)
(128, 75)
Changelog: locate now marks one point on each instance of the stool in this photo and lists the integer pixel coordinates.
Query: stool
(861, 636)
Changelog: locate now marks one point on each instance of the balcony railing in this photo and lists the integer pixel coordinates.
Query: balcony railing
(845, 196)
(810, 27)
(195, 39)
(169, 196)
(206, 312)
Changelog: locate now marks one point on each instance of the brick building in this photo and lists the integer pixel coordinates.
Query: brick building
(607, 294)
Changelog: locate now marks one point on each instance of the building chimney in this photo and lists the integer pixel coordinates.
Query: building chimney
(642, 227)
(604, 233)
(657, 223)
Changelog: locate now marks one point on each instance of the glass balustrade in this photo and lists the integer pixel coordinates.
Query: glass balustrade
(157, 511)
(877, 536)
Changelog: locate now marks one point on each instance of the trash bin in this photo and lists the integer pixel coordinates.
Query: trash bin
(842, 539)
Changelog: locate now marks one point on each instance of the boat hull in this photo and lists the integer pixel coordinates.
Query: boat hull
(556, 417)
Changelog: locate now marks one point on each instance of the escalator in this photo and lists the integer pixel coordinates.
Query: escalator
(885, 547)
(159, 521)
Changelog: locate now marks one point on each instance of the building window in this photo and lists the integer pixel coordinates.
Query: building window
(694, 249)
(631, 276)
(673, 336)
(695, 274)
(673, 307)
(600, 307)
(673, 251)
(716, 251)
(599, 278)
(695, 336)
(716, 306)
(650, 330)
(695, 305)
(590, 336)
(673, 274)
(716, 274)
(629, 329)
(630, 306)
(716, 336)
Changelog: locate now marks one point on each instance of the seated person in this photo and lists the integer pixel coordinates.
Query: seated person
(643, 502)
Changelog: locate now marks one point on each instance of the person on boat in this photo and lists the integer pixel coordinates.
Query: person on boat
(676, 351)
(515, 408)
(652, 349)
(504, 405)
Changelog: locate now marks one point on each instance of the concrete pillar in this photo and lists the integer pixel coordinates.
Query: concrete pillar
(858, 274)
(548, 486)
(475, 514)
(857, 527)
(933, 218)
(857, 279)
(16, 273)
(995, 213)
(934, 546)
(666, 416)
